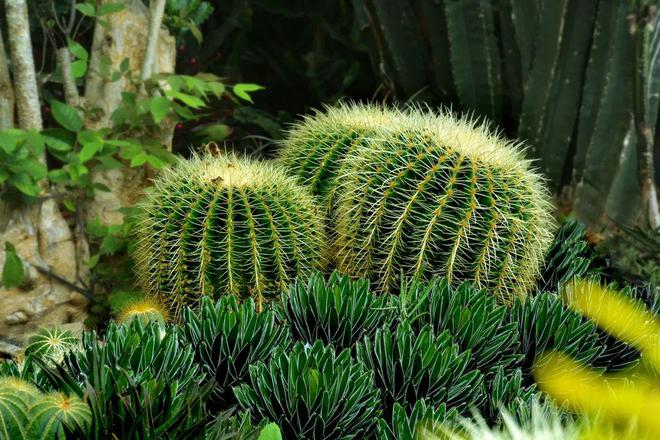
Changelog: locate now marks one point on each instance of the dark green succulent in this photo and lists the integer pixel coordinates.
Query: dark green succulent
(570, 256)
(313, 393)
(141, 382)
(473, 317)
(406, 423)
(410, 366)
(546, 323)
(227, 338)
(340, 311)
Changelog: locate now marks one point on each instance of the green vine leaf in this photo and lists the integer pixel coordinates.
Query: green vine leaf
(159, 106)
(242, 90)
(12, 272)
(66, 116)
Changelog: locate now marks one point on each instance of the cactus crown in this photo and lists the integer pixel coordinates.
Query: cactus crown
(225, 225)
(441, 195)
(146, 309)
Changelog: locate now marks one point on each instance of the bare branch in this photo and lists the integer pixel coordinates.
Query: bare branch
(155, 21)
(71, 94)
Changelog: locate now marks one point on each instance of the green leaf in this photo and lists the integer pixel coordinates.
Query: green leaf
(12, 272)
(10, 138)
(25, 184)
(35, 141)
(77, 50)
(88, 151)
(66, 116)
(189, 100)
(109, 8)
(93, 261)
(270, 432)
(242, 90)
(58, 140)
(194, 30)
(139, 160)
(86, 9)
(79, 68)
(159, 106)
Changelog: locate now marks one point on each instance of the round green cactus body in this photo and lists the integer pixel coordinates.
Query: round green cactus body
(55, 411)
(226, 225)
(441, 195)
(315, 147)
(16, 396)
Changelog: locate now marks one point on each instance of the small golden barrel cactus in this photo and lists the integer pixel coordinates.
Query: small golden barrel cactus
(223, 224)
(425, 194)
(146, 309)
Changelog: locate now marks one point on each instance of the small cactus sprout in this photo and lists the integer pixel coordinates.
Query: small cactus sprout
(52, 344)
(226, 225)
(441, 195)
(315, 147)
(147, 309)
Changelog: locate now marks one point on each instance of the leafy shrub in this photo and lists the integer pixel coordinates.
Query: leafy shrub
(141, 382)
(439, 195)
(410, 365)
(227, 338)
(405, 424)
(338, 311)
(312, 393)
(225, 225)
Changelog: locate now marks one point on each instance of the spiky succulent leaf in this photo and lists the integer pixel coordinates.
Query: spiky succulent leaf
(140, 380)
(51, 414)
(411, 365)
(226, 225)
(16, 396)
(546, 323)
(570, 256)
(51, 344)
(440, 195)
(405, 424)
(338, 312)
(473, 317)
(312, 393)
(229, 337)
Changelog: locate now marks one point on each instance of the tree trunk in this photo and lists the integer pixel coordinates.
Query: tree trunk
(6, 90)
(41, 235)
(126, 35)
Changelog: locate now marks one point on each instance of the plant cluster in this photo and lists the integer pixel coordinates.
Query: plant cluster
(329, 360)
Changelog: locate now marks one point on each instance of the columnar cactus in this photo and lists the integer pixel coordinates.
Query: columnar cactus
(427, 194)
(225, 225)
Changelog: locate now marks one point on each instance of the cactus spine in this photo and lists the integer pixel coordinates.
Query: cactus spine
(226, 225)
(426, 194)
(315, 147)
